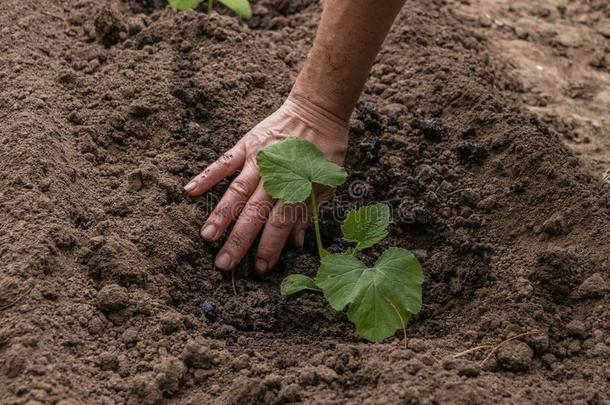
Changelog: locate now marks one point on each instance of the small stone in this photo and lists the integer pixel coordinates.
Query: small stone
(326, 374)
(554, 225)
(593, 287)
(515, 356)
(130, 336)
(76, 117)
(468, 370)
(112, 297)
(401, 354)
(449, 363)
(417, 345)
(577, 329)
(139, 109)
(488, 203)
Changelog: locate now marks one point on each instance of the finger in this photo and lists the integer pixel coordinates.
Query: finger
(297, 235)
(224, 166)
(231, 203)
(246, 228)
(276, 232)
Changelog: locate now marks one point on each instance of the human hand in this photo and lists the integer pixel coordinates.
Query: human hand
(247, 202)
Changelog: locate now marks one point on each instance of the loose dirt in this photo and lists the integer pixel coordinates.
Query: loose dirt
(107, 294)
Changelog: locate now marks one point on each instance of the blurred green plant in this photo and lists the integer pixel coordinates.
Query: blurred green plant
(240, 7)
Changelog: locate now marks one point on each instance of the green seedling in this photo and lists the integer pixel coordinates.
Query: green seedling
(380, 299)
(240, 7)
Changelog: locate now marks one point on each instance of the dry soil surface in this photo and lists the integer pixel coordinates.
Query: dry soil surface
(107, 294)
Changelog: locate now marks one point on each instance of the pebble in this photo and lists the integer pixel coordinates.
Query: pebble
(130, 336)
(77, 118)
(468, 370)
(593, 287)
(488, 203)
(515, 356)
(112, 297)
(139, 109)
(417, 345)
(577, 329)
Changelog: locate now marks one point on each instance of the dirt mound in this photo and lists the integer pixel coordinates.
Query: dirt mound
(108, 294)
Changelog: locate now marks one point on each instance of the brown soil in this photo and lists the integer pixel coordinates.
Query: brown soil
(558, 51)
(107, 294)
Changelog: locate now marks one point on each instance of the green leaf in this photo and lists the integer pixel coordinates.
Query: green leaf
(184, 4)
(240, 7)
(395, 279)
(290, 167)
(366, 226)
(295, 283)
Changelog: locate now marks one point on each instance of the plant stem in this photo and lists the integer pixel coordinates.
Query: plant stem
(316, 225)
(210, 5)
(402, 321)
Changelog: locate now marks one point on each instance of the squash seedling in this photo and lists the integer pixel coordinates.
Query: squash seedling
(380, 299)
(240, 7)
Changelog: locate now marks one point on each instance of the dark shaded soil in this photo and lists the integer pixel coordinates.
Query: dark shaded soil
(108, 295)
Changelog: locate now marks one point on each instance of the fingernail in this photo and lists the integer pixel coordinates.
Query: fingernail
(208, 232)
(300, 238)
(261, 265)
(190, 186)
(223, 261)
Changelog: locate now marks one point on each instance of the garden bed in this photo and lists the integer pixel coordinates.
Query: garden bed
(109, 295)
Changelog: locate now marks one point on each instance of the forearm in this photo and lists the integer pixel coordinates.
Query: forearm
(348, 39)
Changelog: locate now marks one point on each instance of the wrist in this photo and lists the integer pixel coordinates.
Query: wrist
(319, 94)
(325, 122)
